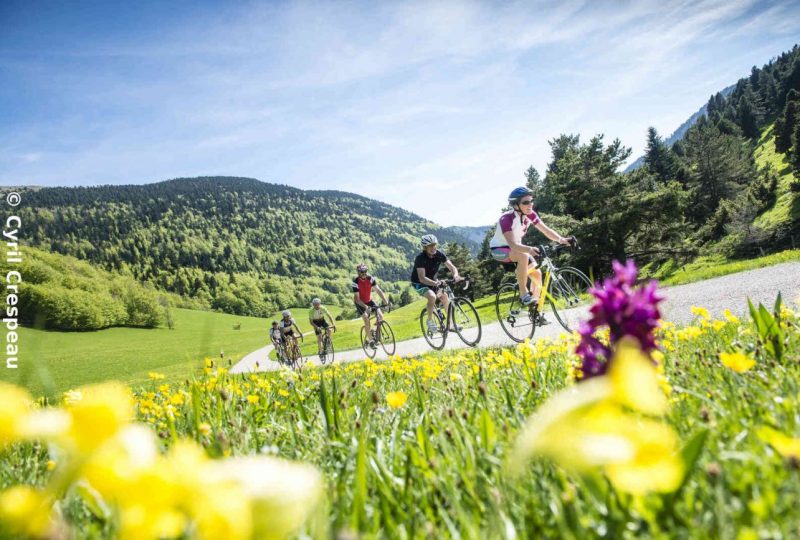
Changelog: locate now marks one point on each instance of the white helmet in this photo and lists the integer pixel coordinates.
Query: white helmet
(316, 301)
(428, 240)
(286, 313)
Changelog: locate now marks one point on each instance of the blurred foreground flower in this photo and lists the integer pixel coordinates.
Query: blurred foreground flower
(786, 446)
(608, 423)
(601, 425)
(116, 467)
(16, 405)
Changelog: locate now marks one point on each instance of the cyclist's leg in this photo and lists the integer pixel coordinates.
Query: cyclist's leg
(318, 332)
(536, 277)
(365, 317)
(445, 301)
(522, 270)
(431, 297)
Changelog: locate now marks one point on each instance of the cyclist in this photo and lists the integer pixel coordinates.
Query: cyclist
(275, 336)
(287, 327)
(362, 287)
(423, 276)
(507, 247)
(316, 316)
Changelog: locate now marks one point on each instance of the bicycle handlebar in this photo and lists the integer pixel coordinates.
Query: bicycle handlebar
(545, 251)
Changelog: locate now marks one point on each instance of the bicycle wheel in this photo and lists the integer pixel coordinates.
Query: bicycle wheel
(515, 319)
(465, 321)
(569, 297)
(295, 356)
(437, 337)
(328, 348)
(387, 338)
(369, 351)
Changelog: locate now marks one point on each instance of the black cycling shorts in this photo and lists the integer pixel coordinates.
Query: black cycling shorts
(319, 326)
(361, 310)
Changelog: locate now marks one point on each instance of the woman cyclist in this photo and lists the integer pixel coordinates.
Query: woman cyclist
(507, 247)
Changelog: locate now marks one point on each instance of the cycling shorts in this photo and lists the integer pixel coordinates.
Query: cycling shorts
(361, 310)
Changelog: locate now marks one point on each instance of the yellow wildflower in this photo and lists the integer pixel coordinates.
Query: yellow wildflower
(786, 446)
(634, 379)
(730, 317)
(16, 404)
(252, 399)
(737, 361)
(700, 312)
(204, 428)
(396, 399)
(153, 376)
(25, 512)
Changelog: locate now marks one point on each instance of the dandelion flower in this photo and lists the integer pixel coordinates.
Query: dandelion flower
(396, 399)
(737, 361)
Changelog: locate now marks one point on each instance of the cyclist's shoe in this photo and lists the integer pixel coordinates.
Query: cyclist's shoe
(527, 300)
(540, 319)
(432, 326)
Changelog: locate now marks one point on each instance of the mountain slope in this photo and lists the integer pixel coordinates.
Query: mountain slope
(236, 244)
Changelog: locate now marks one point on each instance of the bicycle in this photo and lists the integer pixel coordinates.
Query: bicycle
(381, 333)
(327, 348)
(462, 318)
(566, 290)
(293, 355)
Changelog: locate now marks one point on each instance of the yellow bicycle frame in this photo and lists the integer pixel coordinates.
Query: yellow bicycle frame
(543, 293)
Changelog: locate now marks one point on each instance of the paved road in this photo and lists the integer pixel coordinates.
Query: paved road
(717, 294)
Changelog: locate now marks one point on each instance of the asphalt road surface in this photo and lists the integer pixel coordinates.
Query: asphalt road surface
(716, 295)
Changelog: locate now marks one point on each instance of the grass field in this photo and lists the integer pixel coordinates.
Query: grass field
(57, 361)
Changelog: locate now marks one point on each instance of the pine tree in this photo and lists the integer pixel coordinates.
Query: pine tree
(747, 118)
(658, 157)
(785, 122)
(794, 156)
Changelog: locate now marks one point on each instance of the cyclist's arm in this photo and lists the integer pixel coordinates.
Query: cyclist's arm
(453, 270)
(518, 246)
(424, 279)
(380, 293)
(551, 234)
(330, 317)
(358, 301)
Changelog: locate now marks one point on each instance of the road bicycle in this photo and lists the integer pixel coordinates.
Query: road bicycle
(462, 318)
(382, 333)
(293, 355)
(566, 291)
(326, 354)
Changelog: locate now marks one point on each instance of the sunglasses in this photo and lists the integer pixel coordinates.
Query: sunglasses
(362, 271)
(529, 201)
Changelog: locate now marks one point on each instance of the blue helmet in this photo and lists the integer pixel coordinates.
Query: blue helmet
(518, 193)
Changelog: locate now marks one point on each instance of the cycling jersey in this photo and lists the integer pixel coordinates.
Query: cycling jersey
(430, 264)
(364, 287)
(510, 221)
(317, 315)
(284, 324)
(275, 333)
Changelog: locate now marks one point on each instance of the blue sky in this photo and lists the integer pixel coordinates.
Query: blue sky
(437, 107)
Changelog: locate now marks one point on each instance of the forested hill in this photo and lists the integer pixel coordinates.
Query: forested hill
(236, 244)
